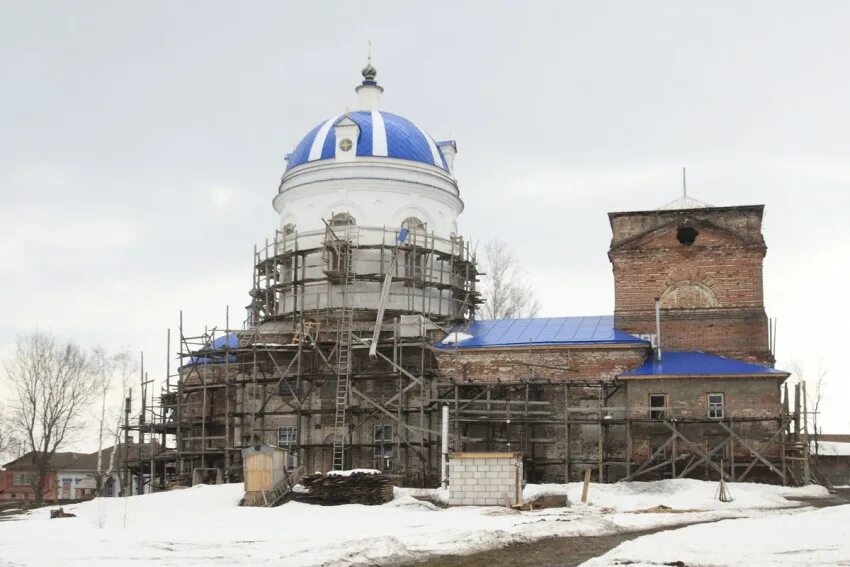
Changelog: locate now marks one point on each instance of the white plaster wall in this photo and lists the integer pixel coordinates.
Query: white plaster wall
(376, 191)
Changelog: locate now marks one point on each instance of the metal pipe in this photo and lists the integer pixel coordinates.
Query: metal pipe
(444, 457)
(658, 329)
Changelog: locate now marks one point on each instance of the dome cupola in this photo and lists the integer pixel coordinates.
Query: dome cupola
(378, 166)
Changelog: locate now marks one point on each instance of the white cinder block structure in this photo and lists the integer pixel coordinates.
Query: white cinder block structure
(485, 479)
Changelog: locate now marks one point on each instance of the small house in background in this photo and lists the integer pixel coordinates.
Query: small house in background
(832, 454)
(70, 477)
(264, 468)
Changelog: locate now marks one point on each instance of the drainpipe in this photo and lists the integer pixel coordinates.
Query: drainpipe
(444, 458)
(658, 329)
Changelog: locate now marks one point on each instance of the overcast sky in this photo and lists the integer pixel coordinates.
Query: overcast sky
(141, 145)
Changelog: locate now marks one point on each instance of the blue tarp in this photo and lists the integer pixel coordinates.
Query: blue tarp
(697, 363)
(541, 331)
(230, 341)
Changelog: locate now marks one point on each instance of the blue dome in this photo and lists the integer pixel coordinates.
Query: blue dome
(381, 135)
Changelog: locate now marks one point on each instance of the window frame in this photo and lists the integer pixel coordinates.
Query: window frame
(383, 443)
(716, 410)
(414, 264)
(292, 434)
(26, 476)
(655, 411)
(342, 219)
(290, 447)
(653, 447)
(415, 225)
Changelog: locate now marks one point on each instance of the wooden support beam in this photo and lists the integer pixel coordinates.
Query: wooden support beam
(756, 454)
(695, 448)
(642, 469)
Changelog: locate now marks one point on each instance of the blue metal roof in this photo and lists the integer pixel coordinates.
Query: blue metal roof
(697, 363)
(395, 137)
(540, 331)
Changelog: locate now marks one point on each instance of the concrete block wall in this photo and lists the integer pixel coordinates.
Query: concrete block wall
(485, 479)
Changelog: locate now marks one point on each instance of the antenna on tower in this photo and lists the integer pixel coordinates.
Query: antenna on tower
(684, 183)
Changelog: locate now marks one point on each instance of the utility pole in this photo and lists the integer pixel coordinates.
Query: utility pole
(807, 473)
(128, 483)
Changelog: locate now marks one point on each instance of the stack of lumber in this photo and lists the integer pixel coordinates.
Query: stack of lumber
(347, 487)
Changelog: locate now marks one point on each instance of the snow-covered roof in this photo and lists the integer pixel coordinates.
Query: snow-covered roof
(831, 449)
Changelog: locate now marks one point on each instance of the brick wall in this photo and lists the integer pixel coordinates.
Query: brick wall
(485, 479)
(552, 363)
(687, 399)
(711, 291)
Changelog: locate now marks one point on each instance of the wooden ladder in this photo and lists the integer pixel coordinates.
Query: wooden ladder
(344, 340)
(284, 487)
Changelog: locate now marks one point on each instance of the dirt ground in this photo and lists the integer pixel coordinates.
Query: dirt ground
(571, 551)
(551, 552)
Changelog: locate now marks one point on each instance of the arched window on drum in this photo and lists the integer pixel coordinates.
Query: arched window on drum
(413, 225)
(338, 239)
(415, 249)
(342, 219)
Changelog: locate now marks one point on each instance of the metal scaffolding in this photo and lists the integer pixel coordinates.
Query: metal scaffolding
(320, 302)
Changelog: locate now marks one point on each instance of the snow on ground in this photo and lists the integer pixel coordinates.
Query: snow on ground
(204, 526)
(791, 538)
(681, 494)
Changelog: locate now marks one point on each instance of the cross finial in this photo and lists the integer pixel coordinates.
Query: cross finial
(369, 58)
(684, 184)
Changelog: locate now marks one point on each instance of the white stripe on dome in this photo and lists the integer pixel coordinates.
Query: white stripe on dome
(319, 140)
(379, 135)
(435, 153)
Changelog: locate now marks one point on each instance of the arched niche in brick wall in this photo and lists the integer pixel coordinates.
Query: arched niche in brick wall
(688, 295)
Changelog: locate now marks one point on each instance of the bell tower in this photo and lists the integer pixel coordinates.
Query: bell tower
(704, 264)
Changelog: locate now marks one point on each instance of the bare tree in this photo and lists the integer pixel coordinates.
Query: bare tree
(105, 368)
(51, 387)
(10, 445)
(509, 294)
(815, 388)
(5, 438)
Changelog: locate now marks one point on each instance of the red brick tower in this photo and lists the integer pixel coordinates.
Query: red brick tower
(705, 265)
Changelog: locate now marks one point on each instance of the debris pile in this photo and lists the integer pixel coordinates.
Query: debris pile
(60, 513)
(347, 487)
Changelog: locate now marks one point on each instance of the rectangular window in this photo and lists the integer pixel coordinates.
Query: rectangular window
(658, 406)
(286, 436)
(413, 264)
(383, 439)
(655, 446)
(715, 406)
(23, 479)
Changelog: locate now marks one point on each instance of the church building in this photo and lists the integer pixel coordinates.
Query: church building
(363, 324)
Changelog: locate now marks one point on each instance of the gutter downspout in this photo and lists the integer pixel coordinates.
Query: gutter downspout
(658, 329)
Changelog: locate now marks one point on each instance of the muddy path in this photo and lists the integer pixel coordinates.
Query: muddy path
(550, 552)
(572, 551)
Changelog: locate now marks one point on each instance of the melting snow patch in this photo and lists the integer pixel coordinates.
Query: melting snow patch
(353, 471)
(205, 526)
(455, 338)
